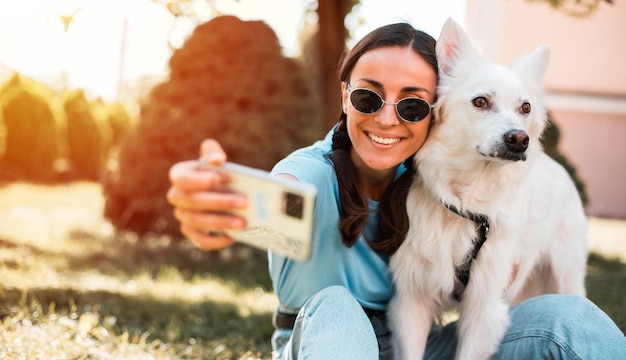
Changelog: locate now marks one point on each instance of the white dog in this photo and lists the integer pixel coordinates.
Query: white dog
(483, 176)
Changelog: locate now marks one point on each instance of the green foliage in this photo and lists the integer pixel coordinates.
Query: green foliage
(229, 82)
(114, 123)
(84, 138)
(605, 286)
(550, 140)
(575, 8)
(56, 136)
(119, 121)
(30, 130)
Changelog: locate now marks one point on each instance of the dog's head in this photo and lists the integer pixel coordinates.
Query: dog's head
(497, 111)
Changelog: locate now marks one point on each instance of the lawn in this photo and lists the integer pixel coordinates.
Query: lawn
(74, 288)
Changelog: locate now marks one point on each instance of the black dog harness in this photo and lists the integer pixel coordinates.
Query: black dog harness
(482, 222)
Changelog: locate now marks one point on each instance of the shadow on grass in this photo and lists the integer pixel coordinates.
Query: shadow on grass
(126, 255)
(246, 268)
(206, 325)
(606, 286)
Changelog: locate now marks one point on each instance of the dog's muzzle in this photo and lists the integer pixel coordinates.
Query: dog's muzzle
(513, 146)
(515, 143)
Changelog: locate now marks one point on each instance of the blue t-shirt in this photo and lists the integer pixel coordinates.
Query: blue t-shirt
(359, 268)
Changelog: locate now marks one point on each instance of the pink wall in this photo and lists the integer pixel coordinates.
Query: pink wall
(585, 83)
(588, 54)
(595, 144)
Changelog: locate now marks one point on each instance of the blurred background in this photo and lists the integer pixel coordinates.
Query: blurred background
(100, 97)
(107, 59)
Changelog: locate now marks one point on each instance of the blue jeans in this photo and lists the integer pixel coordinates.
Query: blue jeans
(332, 325)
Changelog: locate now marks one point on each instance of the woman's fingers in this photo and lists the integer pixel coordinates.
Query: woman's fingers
(206, 241)
(212, 153)
(206, 200)
(209, 221)
(190, 176)
(204, 228)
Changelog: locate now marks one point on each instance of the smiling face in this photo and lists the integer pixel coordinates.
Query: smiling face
(381, 141)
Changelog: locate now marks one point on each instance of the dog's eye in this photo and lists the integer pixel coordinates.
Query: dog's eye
(480, 102)
(525, 108)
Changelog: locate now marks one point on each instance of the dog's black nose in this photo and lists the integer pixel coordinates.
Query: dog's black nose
(516, 141)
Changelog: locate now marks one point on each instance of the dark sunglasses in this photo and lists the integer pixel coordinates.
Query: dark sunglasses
(410, 109)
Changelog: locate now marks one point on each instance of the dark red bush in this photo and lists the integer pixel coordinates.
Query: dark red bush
(230, 82)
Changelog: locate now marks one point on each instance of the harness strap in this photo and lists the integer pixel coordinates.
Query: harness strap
(482, 222)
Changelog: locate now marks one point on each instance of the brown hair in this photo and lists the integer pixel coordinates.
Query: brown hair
(393, 220)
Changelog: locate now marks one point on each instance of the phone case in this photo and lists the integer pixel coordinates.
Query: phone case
(280, 211)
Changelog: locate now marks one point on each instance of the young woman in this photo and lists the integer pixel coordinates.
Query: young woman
(332, 306)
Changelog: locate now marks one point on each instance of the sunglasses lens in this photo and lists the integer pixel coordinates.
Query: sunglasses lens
(413, 109)
(368, 102)
(365, 101)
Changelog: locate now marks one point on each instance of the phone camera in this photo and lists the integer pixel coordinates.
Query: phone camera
(294, 205)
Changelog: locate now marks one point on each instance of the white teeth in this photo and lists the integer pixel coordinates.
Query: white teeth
(384, 141)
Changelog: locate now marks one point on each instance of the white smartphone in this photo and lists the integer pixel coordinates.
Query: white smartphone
(280, 211)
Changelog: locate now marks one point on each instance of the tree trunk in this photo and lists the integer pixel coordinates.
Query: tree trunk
(331, 44)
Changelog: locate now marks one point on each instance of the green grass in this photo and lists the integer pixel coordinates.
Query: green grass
(73, 288)
(606, 286)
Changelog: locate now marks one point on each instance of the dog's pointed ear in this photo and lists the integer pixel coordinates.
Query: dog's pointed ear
(534, 64)
(453, 43)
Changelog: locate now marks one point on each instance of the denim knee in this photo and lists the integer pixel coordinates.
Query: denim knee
(336, 297)
(561, 327)
(331, 325)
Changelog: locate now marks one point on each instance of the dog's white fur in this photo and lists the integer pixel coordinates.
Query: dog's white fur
(536, 217)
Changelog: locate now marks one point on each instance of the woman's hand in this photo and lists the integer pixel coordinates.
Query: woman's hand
(202, 203)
